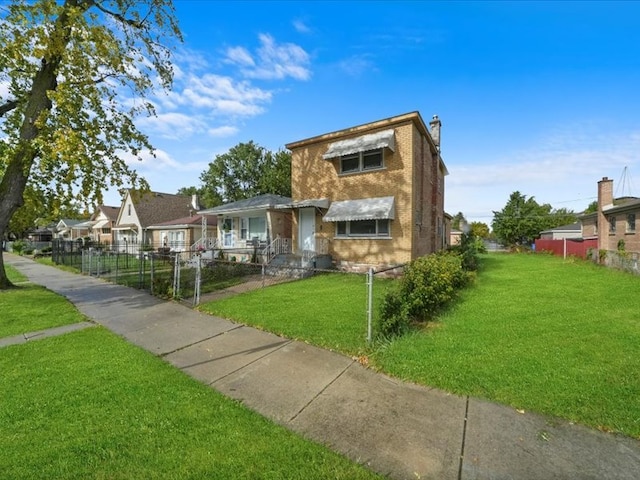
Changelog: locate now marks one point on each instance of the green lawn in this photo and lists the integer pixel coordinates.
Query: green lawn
(328, 310)
(14, 275)
(89, 405)
(535, 332)
(29, 308)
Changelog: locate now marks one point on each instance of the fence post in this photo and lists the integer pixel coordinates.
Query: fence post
(196, 287)
(176, 276)
(369, 305)
(140, 269)
(152, 257)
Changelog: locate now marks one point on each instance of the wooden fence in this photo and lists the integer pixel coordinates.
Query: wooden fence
(566, 247)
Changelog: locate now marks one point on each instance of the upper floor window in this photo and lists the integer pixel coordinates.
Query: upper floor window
(631, 223)
(129, 209)
(612, 224)
(362, 161)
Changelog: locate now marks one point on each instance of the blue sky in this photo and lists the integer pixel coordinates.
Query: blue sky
(538, 97)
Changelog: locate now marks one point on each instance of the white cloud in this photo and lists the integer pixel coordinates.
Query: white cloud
(357, 65)
(240, 56)
(173, 125)
(562, 169)
(224, 131)
(301, 27)
(272, 61)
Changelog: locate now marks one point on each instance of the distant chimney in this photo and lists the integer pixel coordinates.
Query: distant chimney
(605, 192)
(194, 202)
(605, 198)
(435, 126)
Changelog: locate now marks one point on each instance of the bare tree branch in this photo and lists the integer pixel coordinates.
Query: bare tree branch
(8, 106)
(120, 17)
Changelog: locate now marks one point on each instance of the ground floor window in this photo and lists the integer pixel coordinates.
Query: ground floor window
(363, 228)
(177, 240)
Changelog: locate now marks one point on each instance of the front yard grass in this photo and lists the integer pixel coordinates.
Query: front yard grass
(327, 310)
(535, 332)
(29, 308)
(89, 405)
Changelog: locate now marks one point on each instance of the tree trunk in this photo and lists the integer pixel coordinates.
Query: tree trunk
(37, 103)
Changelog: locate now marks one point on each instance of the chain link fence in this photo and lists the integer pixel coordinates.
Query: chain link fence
(206, 276)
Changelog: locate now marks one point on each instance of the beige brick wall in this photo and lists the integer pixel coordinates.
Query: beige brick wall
(408, 176)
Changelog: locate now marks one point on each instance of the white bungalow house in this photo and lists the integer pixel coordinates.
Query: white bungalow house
(252, 224)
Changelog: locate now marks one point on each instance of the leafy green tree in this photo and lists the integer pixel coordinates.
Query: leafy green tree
(562, 216)
(77, 73)
(480, 230)
(521, 220)
(248, 170)
(592, 207)
(208, 198)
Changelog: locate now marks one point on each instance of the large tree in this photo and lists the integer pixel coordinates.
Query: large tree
(74, 74)
(247, 170)
(522, 219)
(480, 229)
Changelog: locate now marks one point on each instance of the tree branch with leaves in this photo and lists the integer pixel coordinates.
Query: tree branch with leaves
(77, 73)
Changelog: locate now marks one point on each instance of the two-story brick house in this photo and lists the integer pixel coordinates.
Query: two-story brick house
(370, 195)
(614, 223)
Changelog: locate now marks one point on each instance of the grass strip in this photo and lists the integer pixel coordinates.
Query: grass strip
(89, 405)
(29, 308)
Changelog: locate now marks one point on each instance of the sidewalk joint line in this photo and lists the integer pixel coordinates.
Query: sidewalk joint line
(304, 407)
(162, 355)
(464, 435)
(284, 344)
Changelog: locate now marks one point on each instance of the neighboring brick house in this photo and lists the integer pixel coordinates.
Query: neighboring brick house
(614, 224)
(139, 211)
(102, 222)
(182, 234)
(370, 195)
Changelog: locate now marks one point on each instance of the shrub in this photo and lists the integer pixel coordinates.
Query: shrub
(19, 246)
(469, 248)
(392, 318)
(429, 283)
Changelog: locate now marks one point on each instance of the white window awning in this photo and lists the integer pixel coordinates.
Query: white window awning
(372, 141)
(379, 208)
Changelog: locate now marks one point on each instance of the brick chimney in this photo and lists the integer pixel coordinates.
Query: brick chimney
(605, 192)
(605, 198)
(435, 126)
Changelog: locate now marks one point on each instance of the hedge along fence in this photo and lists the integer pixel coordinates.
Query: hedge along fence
(429, 283)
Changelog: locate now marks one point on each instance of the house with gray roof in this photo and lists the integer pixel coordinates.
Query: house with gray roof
(140, 210)
(252, 223)
(101, 224)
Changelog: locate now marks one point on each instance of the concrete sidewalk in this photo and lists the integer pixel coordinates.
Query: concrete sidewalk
(401, 430)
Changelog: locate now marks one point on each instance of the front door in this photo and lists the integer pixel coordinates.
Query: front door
(307, 229)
